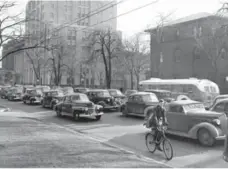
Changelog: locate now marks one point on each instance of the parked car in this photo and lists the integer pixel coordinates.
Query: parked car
(139, 104)
(216, 100)
(220, 106)
(189, 118)
(4, 91)
(67, 90)
(78, 105)
(32, 96)
(9, 93)
(103, 98)
(118, 96)
(129, 92)
(81, 90)
(51, 98)
(162, 94)
(15, 94)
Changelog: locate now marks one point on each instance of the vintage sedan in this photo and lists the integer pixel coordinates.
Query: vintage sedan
(220, 106)
(51, 98)
(129, 92)
(81, 90)
(139, 104)
(189, 118)
(103, 98)
(32, 96)
(119, 97)
(216, 100)
(78, 105)
(4, 91)
(162, 94)
(15, 94)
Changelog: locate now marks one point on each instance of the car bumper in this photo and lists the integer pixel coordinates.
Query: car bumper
(110, 107)
(91, 115)
(220, 137)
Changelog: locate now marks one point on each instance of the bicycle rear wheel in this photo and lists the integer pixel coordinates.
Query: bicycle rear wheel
(167, 149)
(150, 142)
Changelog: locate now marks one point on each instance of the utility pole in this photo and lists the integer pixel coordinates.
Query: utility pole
(225, 153)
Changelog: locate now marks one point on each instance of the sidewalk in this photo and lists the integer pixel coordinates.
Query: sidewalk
(30, 143)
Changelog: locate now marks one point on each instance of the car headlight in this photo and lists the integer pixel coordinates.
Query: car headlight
(217, 121)
(86, 109)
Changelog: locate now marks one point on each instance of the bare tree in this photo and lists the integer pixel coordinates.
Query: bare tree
(135, 57)
(105, 43)
(12, 28)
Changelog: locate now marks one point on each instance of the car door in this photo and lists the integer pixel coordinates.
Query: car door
(65, 104)
(129, 104)
(177, 119)
(138, 106)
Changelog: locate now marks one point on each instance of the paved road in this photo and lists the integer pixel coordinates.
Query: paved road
(128, 133)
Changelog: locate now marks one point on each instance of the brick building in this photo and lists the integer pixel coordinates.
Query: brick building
(194, 46)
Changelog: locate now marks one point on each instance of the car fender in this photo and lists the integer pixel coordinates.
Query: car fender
(146, 110)
(194, 130)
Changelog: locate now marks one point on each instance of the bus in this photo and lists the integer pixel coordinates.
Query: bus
(202, 90)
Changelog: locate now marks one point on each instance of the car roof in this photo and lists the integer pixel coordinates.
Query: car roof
(223, 100)
(140, 93)
(155, 90)
(183, 102)
(97, 90)
(221, 96)
(75, 94)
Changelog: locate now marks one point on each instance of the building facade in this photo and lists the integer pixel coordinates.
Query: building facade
(196, 46)
(68, 23)
(15, 61)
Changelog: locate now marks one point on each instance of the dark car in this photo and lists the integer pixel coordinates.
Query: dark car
(118, 96)
(129, 92)
(103, 98)
(220, 106)
(51, 98)
(162, 94)
(216, 100)
(32, 96)
(139, 104)
(4, 91)
(78, 105)
(81, 90)
(15, 94)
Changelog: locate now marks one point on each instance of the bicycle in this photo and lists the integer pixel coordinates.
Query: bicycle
(152, 140)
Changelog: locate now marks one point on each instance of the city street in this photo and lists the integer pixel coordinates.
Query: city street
(127, 133)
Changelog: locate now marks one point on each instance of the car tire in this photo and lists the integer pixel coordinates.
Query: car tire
(24, 101)
(58, 112)
(205, 137)
(98, 117)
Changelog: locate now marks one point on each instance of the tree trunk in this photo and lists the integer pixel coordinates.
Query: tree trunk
(137, 81)
(132, 81)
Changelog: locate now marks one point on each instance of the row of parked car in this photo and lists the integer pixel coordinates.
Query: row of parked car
(186, 117)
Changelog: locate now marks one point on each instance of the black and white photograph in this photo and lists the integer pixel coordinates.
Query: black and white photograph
(113, 83)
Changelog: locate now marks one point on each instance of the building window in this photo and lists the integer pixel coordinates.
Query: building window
(177, 55)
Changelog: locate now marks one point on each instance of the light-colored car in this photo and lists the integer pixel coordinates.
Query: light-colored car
(189, 118)
(217, 99)
(220, 106)
(129, 92)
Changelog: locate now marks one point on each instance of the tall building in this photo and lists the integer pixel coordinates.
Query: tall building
(194, 46)
(65, 21)
(15, 61)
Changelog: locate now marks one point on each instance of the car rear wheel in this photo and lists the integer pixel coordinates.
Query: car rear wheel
(98, 117)
(205, 137)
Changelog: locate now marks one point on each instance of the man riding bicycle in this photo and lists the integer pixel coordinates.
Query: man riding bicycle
(153, 117)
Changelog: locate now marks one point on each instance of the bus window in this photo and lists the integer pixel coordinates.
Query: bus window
(177, 88)
(185, 88)
(213, 90)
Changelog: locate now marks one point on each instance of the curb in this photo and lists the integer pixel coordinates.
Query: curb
(142, 157)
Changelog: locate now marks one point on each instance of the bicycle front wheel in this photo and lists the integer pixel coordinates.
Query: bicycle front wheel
(167, 149)
(150, 142)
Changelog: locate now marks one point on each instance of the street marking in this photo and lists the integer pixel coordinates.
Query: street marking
(142, 157)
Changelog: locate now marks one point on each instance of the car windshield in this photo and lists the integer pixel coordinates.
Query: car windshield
(129, 92)
(194, 106)
(115, 93)
(79, 97)
(55, 93)
(150, 98)
(103, 94)
(34, 92)
(163, 94)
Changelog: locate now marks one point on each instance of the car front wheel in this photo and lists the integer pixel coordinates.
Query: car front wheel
(98, 117)
(205, 137)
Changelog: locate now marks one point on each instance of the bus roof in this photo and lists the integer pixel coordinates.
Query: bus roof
(177, 81)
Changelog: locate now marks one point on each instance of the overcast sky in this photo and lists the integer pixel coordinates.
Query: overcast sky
(139, 20)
